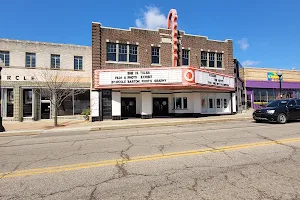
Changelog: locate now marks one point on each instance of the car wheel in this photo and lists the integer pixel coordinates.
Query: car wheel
(281, 119)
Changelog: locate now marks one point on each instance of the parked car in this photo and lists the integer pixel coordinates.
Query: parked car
(279, 111)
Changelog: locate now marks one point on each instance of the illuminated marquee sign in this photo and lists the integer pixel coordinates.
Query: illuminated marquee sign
(163, 76)
(207, 78)
(182, 76)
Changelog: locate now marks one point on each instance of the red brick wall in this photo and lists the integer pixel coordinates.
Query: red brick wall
(145, 38)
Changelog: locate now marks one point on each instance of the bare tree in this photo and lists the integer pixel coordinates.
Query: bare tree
(57, 85)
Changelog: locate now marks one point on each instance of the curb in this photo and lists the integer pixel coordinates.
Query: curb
(23, 133)
(118, 127)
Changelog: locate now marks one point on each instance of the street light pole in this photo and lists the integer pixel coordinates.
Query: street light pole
(279, 74)
(2, 129)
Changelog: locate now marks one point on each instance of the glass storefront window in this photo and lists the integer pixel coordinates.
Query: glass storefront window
(66, 107)
(81, 102)
(27, 103)
(263, 96)
(271, 95)
(10, 103)
(256, 96)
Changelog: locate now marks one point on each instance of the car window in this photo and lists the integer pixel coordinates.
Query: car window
(276, 103)
(298, 102)
(292, 103)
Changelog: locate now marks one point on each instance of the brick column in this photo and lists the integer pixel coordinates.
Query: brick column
(96, 48)
(230, 64)
(18, 103)
(37, 104)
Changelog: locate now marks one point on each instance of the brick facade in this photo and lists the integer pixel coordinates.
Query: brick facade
(161, 38)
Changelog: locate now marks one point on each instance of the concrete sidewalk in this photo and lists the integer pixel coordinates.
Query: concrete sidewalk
(46, 126)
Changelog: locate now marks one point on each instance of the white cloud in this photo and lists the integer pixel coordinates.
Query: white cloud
(250, 63)
(244, 45)
(152, 19)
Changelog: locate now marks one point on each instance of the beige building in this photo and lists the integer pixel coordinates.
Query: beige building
(25, 61)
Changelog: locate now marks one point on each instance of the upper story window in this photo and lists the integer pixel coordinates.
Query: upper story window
(4, 56)
(203, 59)
(55, 61)
(122, 52)
(30, 60)
(111, 52)
(211, 59)
(78, 62)
(219, 60)
(155, 55)
(133, 52)
(185, 57)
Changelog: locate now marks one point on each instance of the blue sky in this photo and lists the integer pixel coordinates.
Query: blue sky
(265, 33)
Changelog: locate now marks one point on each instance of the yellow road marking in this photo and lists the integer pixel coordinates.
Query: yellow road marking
(89, 165)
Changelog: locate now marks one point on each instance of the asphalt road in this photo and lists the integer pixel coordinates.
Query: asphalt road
(236, 160)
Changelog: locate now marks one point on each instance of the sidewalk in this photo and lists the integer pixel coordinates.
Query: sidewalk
(46, 126)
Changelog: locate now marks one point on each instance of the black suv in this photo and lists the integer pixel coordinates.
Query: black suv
(279, 111)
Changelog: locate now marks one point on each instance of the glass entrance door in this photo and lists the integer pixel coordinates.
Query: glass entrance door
(45, 110)
(160, 107)
(128, 107)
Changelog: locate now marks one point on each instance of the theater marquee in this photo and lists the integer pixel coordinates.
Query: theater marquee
(155, 77)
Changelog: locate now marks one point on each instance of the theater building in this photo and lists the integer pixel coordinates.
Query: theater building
(135, 76)
(262, 85)
(24, 61)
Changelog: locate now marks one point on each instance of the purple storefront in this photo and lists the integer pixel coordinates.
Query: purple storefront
(261, 92)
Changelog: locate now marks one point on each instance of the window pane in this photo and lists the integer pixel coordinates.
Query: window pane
(185, 57)
(256, 96)
(219, 64)
(155, 59)
(218, 103)
(111, 48)
(292, 103)
(132, 58)
(263, 96)
(111, 57)
(211, 59)
(178, 103)
(81, 102)
(4, 55)
(298, 101)
(211, 104)
(225, 103)
(27, 103)
(155, 55)
(203, 59)
(185, 102)
(123, 57)
(78, 62)
(10, 103)
(66, 108)
(122, 52)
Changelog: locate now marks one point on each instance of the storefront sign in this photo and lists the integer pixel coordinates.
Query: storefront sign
(214, 79)
(161, 76)
(17, 78)
(272, 76)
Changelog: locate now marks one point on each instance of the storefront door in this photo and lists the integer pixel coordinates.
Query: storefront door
(45, 110)
(128, 107)
(160, 107)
